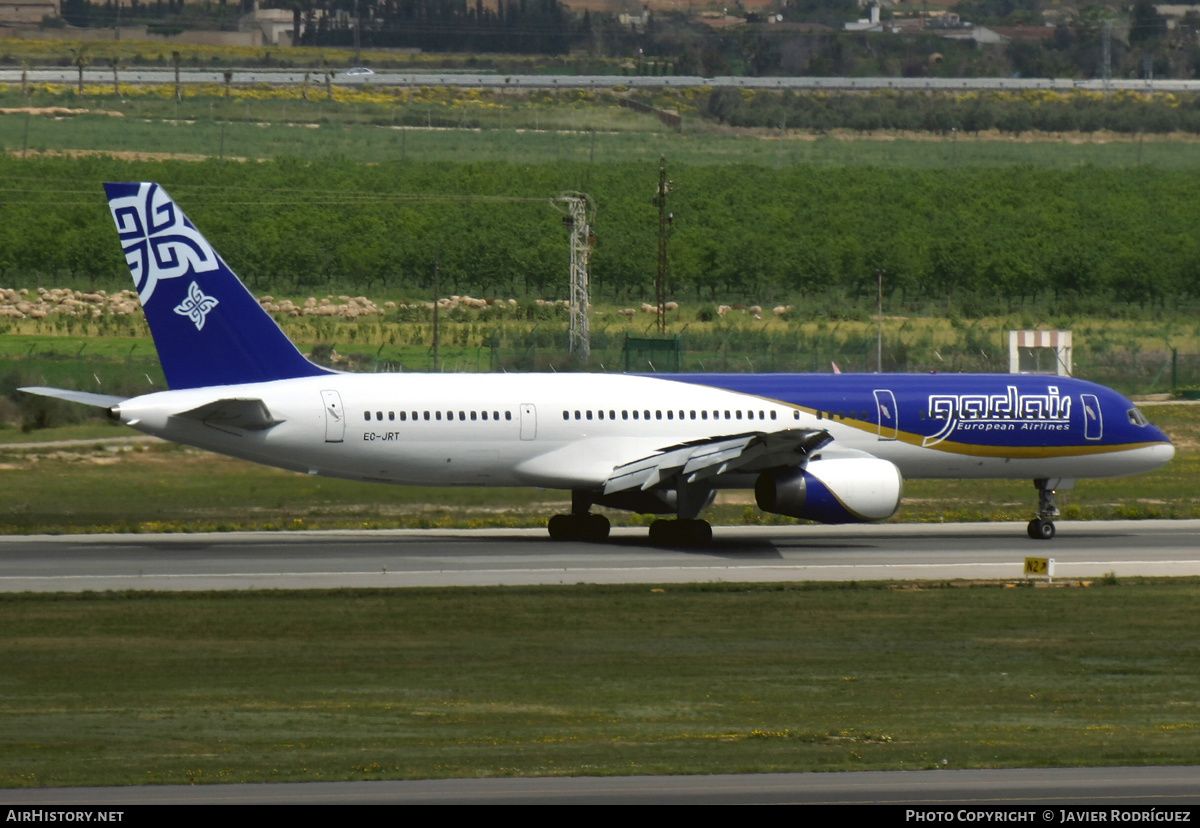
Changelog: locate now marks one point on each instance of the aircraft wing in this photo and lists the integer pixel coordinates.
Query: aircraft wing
(84, 397)
(250, 414)
(698, 459)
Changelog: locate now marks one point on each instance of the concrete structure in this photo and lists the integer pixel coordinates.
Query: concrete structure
(26, 12)
(1039, 352)
(276, 27)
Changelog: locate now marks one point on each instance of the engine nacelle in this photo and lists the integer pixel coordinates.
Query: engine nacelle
(838, 490)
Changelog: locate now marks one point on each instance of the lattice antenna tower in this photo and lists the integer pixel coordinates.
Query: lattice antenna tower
(665, 219)
(1106, 57)
(579, 218)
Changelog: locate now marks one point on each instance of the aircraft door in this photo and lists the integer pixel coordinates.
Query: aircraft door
(1093, 419)
(528, 421)
(885, 407)
(335, 417)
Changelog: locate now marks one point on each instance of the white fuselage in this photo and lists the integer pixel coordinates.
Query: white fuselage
(564, 431)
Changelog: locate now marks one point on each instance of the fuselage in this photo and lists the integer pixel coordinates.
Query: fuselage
(569, 431)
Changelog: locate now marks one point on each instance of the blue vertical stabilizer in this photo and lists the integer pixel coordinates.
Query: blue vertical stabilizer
(209, 330)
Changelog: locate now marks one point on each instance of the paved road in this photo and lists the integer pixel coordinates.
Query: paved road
(404, 558)
(500, 81)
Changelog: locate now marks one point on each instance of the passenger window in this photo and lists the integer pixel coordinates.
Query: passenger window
(472, 415)
(367, 416)
(566, 416)
(379, 415)
(670, 415)
(392, 415)
(508, 415)
(437, 415)
(427, 415)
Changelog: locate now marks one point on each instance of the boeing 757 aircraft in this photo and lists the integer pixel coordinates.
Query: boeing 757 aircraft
(828, 448)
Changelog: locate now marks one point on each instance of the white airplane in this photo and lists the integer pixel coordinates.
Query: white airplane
(829, 448)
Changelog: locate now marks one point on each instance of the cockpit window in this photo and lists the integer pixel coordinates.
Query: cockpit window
(1137, 417)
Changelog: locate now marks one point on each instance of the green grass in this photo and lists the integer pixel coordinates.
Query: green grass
(137, 688)
(601, 134)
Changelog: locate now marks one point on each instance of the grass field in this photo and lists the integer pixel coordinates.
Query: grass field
(103, 689)
(443, 124)
(557, 139)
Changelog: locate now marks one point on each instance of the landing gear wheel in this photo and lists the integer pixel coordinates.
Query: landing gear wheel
(597, 527)
(559, 527)
(586, 527)
(680, 533)
(1041, 529)
(1042, 526)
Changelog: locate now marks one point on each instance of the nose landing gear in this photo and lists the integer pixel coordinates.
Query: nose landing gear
(1042, 526)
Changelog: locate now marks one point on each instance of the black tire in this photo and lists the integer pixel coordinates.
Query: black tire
(596, 528)
(698, 533)
(559, 527)
(1041, 529)
(660, 533)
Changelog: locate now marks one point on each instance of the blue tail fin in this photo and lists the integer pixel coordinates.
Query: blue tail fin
(209, 330)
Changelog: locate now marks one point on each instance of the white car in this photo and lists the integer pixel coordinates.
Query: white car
(358, 71)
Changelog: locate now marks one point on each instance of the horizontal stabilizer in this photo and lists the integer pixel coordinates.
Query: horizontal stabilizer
(84, 397)
(699, 459)
(248, 414)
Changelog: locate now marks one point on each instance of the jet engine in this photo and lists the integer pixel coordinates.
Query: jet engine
(837, 490)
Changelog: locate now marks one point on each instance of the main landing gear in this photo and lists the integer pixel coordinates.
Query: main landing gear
(1042, 526)
(688, 530)
(580, 525)
(681, 532)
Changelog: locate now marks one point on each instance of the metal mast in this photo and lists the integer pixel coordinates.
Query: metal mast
(580, 210)
(664, 221)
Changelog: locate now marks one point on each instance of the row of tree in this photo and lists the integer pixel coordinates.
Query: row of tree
(739, 233)
(943, 112)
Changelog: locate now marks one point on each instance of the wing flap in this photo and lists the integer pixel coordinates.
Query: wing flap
(701, 459)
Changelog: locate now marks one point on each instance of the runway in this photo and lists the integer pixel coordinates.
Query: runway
(1125, 790)
(422, 558)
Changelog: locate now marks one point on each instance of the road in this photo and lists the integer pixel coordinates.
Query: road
(480, 80)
